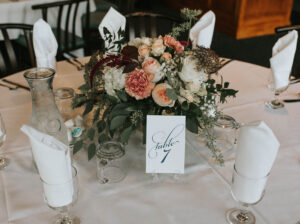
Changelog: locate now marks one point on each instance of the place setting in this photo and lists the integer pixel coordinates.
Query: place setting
(149, 127)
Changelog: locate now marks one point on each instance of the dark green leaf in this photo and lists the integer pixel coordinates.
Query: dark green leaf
(103, 138)
(117, 121)
(226, 84)
(77, 146)
(101, 126)
(91, 133)
(219, 87)
(121, 109)
(91, 151)
(106, 31)
(192, 124)
(112, 98)
(89, 106)
(96, 115)
(122, 95)
(125, 134)
(84, 87)
(184, 106)
(171, 94)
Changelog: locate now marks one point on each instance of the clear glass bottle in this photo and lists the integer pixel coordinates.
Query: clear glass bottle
(45, 116)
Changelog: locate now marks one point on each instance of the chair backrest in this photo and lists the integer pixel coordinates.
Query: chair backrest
(147, 24)
(66, 38)
(11, 64)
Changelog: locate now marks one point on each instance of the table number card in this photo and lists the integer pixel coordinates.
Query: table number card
(165, 144)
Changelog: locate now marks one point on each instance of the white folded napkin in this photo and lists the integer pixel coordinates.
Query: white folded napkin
(45, 44)
(113, 21)
(202, 32)
(283, 54)
(256, 152)
(53, 161)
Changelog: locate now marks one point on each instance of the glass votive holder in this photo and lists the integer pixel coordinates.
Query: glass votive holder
(64, 97)
(111, 162)
(225, 133)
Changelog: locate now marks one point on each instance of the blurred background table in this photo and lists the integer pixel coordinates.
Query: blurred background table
(202, 195)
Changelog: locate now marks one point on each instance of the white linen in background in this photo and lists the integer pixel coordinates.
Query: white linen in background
(45, 45)
(202, 32)
(199, 198)
(53, 161)
(282, 59)
(113, 21)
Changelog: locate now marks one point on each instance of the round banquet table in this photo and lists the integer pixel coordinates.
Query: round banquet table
(201, 195)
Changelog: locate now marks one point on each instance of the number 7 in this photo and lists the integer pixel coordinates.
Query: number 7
(167, 153)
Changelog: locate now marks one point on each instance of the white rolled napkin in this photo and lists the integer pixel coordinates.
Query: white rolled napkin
(53, 161)
(257, 148)
(113, 21)
(45, 44)
(202, 32)
(281, 62)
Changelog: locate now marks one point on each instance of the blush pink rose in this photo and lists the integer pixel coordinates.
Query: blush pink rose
(171, 42)
(167, 56)
(152, 67)
(138, 84)
(159, 95)
(144, 51)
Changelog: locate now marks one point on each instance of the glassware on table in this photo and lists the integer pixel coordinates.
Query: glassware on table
(111, 162)
(225, 133)
(247, 192)
(61, 198)
(3, 161)
(64, 97)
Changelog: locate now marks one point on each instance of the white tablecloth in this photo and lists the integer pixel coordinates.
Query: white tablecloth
(20, 12)
(202, 195)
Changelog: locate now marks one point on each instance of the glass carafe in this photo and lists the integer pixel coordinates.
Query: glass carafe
(45, 116)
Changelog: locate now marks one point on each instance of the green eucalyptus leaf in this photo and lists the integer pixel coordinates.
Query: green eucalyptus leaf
(117, 121)
(122, 95)
(125, 134)
(171, 94)
(226, 84)
(88, 108)
(101, 126)
(91, 151)
(77, 146)
(84, 87)
(121, 109)
(96, 115)
(185, 106)
(103, 138)
(91, 133)
(112, 98)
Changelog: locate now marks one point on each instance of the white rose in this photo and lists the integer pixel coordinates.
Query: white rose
(158, 47)
(194, 86)
(189, 71)
(114, 79)
(202, 92)
(146, 41)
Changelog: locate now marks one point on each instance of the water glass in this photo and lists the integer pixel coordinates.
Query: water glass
(247, 192)
(61, 197)
(63, 98)
(111, 162)
(3, 161)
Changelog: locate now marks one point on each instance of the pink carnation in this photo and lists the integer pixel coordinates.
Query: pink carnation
(171, 42)
(138, 84)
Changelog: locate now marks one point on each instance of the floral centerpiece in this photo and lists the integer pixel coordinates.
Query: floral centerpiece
(157, 76)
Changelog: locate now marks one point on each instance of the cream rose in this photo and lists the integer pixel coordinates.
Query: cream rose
(135, 42)
(147, 41)
(159, 95)
(144, 51)
(194, 86)
(158, 47)
(152, 67)
(189, 71)
(186, 94)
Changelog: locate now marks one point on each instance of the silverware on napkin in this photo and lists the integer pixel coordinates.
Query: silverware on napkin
(16, 84)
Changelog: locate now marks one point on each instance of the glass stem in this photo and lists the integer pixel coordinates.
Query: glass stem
(65, 218)
(243, 215)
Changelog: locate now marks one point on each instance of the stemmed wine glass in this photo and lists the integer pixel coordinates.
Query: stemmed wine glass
(61, 198)
(3, 161)
(276, 103)
(247, 192)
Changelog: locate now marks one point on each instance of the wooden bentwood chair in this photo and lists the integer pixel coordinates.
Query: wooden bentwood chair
(66, 38)
(8, 59)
